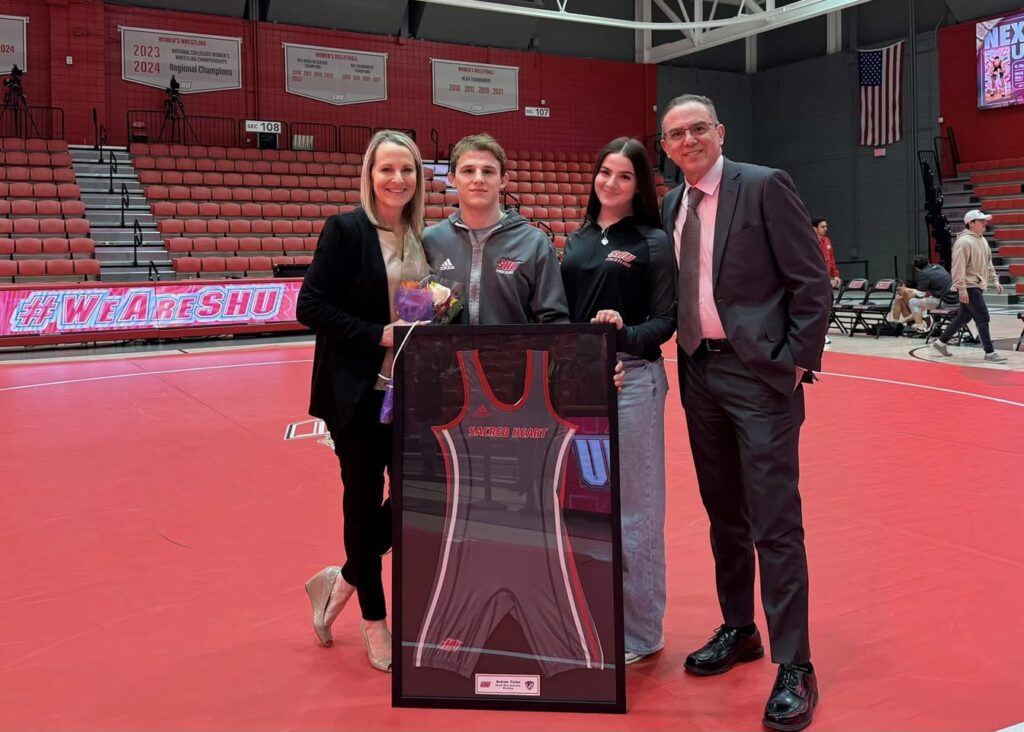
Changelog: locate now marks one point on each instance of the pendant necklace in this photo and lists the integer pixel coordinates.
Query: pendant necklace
(604, 236)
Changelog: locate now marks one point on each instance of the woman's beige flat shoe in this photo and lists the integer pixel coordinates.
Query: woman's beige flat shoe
(381, 659)
(328, 593)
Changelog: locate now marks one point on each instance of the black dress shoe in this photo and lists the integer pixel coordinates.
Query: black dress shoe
(794, 696)
(727, 647)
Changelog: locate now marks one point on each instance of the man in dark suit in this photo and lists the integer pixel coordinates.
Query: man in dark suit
(754, 299)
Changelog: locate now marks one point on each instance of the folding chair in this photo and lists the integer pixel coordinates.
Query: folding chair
(843, 315)
(872, 314)
(943, 316)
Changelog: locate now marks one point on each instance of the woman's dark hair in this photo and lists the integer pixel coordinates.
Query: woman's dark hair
(645, 199)
(816, 221)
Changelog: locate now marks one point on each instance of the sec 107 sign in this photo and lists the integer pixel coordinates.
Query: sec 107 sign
(252, 125)
(538, 112)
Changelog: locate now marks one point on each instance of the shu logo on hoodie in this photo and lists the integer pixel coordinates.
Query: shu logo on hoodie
(507, 266)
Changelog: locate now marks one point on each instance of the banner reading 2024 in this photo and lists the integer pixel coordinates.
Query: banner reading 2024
(335, 75)
(12, 43)
(1000, 47)
(199, 63)
(475, 88)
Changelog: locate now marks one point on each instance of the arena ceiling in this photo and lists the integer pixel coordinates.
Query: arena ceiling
(732, 35)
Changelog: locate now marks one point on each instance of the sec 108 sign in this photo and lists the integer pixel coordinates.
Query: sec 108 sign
(252, 125)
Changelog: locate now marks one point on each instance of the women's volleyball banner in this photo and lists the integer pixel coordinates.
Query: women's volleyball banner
(335, 75)
(98, 309)
(198, 63)
(1000, 47)
(475, 88)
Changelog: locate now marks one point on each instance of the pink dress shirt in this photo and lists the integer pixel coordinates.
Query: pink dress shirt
(707, 210)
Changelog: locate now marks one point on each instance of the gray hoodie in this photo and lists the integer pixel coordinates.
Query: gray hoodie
(509, 273)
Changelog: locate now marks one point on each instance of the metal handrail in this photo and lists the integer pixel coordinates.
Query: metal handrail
(153, 272)
(124, 202)
(112, 171)
(435, 137)
(136, 242)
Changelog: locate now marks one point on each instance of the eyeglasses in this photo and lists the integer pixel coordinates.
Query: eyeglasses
(678, 134)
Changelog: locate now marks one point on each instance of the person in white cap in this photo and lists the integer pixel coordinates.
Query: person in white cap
(972, 273)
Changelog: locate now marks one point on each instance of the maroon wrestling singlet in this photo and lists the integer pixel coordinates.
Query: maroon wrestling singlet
(489, 565)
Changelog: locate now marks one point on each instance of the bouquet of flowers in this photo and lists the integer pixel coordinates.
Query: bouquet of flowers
(433, 300)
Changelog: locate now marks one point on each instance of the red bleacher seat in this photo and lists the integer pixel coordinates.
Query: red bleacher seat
(28, 248)
(272, 244)
(32, 268)
(213, 264)
(60, 268)
(186, 266)
(249, 244)
(6, 248)
(236, 264)
(8, 270)
(263, 265)
(55, 247)
(204, 245)
(87, 268)
(187, 209)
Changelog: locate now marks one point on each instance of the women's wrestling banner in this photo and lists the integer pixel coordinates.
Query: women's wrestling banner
(335, 75)
(199, 63)
(475, 88)
(12, 43)
(505, 497)
(1000, 48)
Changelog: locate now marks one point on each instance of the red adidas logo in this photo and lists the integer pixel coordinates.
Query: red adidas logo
(482, 411)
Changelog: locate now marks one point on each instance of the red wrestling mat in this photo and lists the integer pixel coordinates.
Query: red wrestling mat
(157, 529)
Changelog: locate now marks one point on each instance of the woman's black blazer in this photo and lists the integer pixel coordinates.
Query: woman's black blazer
(344, 300)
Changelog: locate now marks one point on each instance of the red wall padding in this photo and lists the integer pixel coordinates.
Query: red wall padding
(981, 134)
(591, 101)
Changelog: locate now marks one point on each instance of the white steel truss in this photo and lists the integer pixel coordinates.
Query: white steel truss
(707, 23)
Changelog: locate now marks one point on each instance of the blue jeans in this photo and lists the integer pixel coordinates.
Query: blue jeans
(642, 499)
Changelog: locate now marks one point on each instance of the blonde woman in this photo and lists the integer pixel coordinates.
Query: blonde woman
(348, 300)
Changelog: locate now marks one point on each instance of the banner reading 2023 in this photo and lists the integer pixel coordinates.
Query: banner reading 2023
(199, 63)
(1000, 47)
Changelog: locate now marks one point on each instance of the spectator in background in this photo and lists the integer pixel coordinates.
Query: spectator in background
(972, 274)
(934, 288)
(821, 229)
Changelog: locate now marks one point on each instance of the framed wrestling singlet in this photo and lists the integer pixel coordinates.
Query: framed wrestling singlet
(507, 557)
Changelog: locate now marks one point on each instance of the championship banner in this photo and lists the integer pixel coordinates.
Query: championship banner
(97, 309)
(199, 63)
(475, 88)
(12, 43)
(1000, 58)
(335, 75)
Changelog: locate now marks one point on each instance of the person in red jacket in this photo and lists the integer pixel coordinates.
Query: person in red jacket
(821, 229)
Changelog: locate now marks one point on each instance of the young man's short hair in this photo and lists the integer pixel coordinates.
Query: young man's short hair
(481, 143)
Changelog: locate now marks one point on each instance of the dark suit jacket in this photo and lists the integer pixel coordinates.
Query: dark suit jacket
(344, 299)
(770, 281)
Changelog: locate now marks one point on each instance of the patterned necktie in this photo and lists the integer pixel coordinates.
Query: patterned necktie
(688, 315)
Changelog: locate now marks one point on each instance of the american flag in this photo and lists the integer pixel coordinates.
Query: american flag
(880, 72)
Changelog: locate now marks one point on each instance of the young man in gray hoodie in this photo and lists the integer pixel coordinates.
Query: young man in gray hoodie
(508, 269)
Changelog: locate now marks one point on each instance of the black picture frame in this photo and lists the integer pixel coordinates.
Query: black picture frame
(463, 693)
